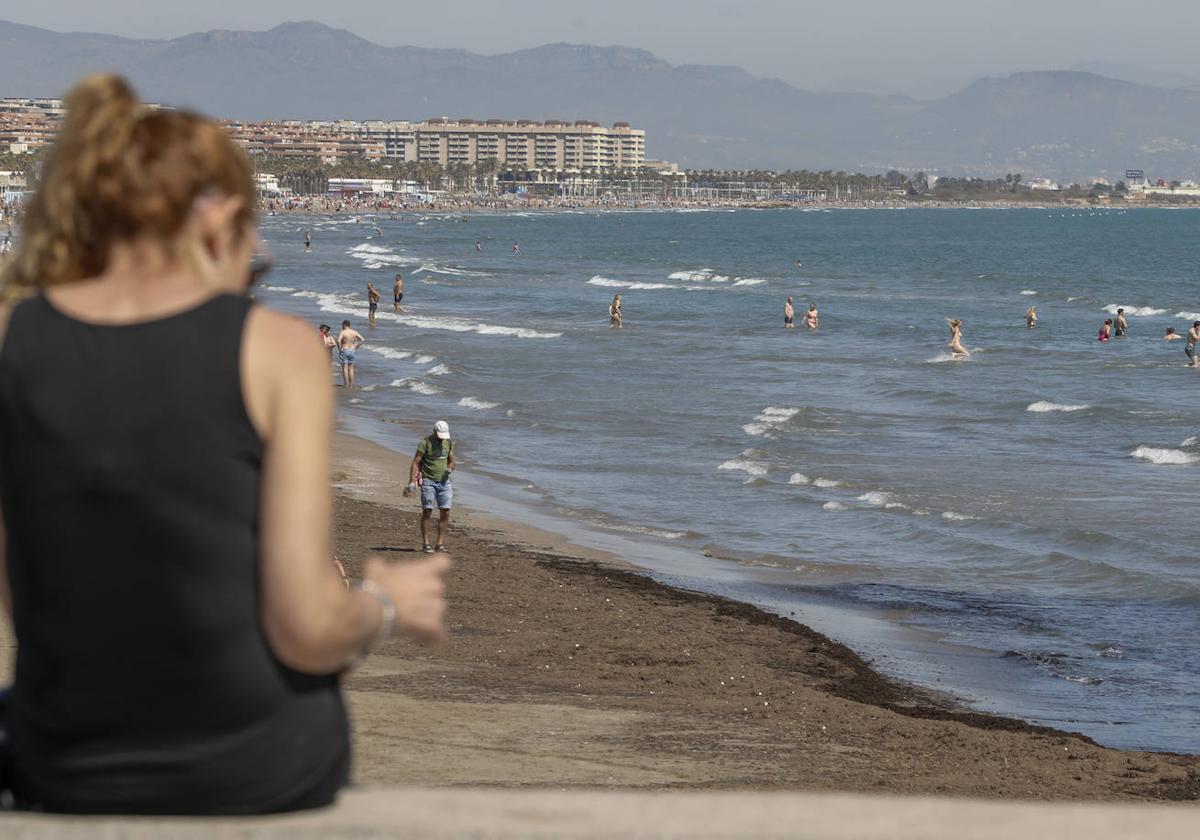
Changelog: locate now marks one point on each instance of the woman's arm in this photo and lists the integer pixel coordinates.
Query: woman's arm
(311, 621)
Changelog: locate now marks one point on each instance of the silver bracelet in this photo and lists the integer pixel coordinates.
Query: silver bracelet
(387, 616)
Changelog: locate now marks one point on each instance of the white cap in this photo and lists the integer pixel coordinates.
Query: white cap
(441, 430)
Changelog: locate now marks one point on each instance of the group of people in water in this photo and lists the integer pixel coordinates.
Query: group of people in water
(1115, 327)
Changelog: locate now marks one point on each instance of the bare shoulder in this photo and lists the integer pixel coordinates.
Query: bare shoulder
(284, 336)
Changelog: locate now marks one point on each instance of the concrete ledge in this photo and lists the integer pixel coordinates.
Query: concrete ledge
(496, 813)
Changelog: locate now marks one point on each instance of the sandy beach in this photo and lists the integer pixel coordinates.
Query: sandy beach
(568, 671)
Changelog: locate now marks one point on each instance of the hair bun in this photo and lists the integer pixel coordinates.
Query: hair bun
(100, 104)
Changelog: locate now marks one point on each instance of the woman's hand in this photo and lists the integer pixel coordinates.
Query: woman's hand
(417, 589)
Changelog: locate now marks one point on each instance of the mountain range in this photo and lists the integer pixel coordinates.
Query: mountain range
(1067, 125)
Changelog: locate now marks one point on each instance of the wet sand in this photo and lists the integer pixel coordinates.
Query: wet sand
(566, 672)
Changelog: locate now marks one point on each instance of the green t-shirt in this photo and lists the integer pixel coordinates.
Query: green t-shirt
(435, 456)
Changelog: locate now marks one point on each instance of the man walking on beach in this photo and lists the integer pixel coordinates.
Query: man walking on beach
(398, 294)
(431, 469)
(348, 342)
(373, 297)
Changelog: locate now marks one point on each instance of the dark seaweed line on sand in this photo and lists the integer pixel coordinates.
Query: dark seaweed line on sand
(863, 685)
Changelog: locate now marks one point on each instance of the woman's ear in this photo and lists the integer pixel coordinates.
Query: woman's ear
(215, 217)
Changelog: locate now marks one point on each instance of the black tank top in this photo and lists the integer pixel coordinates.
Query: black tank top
(129, 479)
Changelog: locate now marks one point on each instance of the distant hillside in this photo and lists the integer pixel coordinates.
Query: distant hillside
(1067, 125)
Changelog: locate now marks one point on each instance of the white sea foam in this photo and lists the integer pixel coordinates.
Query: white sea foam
(641, 529)
(478, 405)
(1192, 441)
(1168, 457)
(1112, 308)
(347, 305)
(1188, 316)
(1070, 299)
(826, 482)
(750, 281)
(424, 388)
(279, 288)
(369, 249)
(1029, 292)
(388, 352)
(834, 506)
(770, 418)
(798, 478)
(881, 499)
(628, 284)
(752, 468)
(946, 357)
(700, 275)
(399, 383)
(1042, 406)
(424, 360)
(951, 516)
(437, 370)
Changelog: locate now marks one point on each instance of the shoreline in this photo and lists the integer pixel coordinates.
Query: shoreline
(605, 676)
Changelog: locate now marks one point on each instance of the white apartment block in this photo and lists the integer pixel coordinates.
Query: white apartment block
(553, 144)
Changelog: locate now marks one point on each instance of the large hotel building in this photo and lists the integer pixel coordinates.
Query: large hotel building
(553, 144)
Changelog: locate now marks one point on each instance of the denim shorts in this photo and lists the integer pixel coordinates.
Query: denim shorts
(346, 357)
(436, 494)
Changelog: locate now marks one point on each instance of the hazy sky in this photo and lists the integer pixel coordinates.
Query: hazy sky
(919, 47)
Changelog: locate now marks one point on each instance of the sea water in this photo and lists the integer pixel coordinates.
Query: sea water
(1031, 510)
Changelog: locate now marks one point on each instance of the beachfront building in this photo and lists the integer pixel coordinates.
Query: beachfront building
(28, 124)
(551, 145)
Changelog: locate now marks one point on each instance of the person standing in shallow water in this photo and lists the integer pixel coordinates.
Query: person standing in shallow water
(1105, 330)
(956, 345)
(398, 294)
(789, 315)
(348, 342)
(614, 314)
(1193, 337)
(307, 241)
(188, 661)
(812, 318)
(1031, 317)
(373, 298)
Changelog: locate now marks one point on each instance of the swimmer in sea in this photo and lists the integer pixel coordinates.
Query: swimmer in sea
(956, 346)
(478, 245)
(398, 294)
(348, 342)
(1190, 347)
(516, 249)
(373, 297)
(1105, 330)
(812, 318)
(614, 314)
(1121, 325)
(1031, 317)
(1171, 335)
(789, 315)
